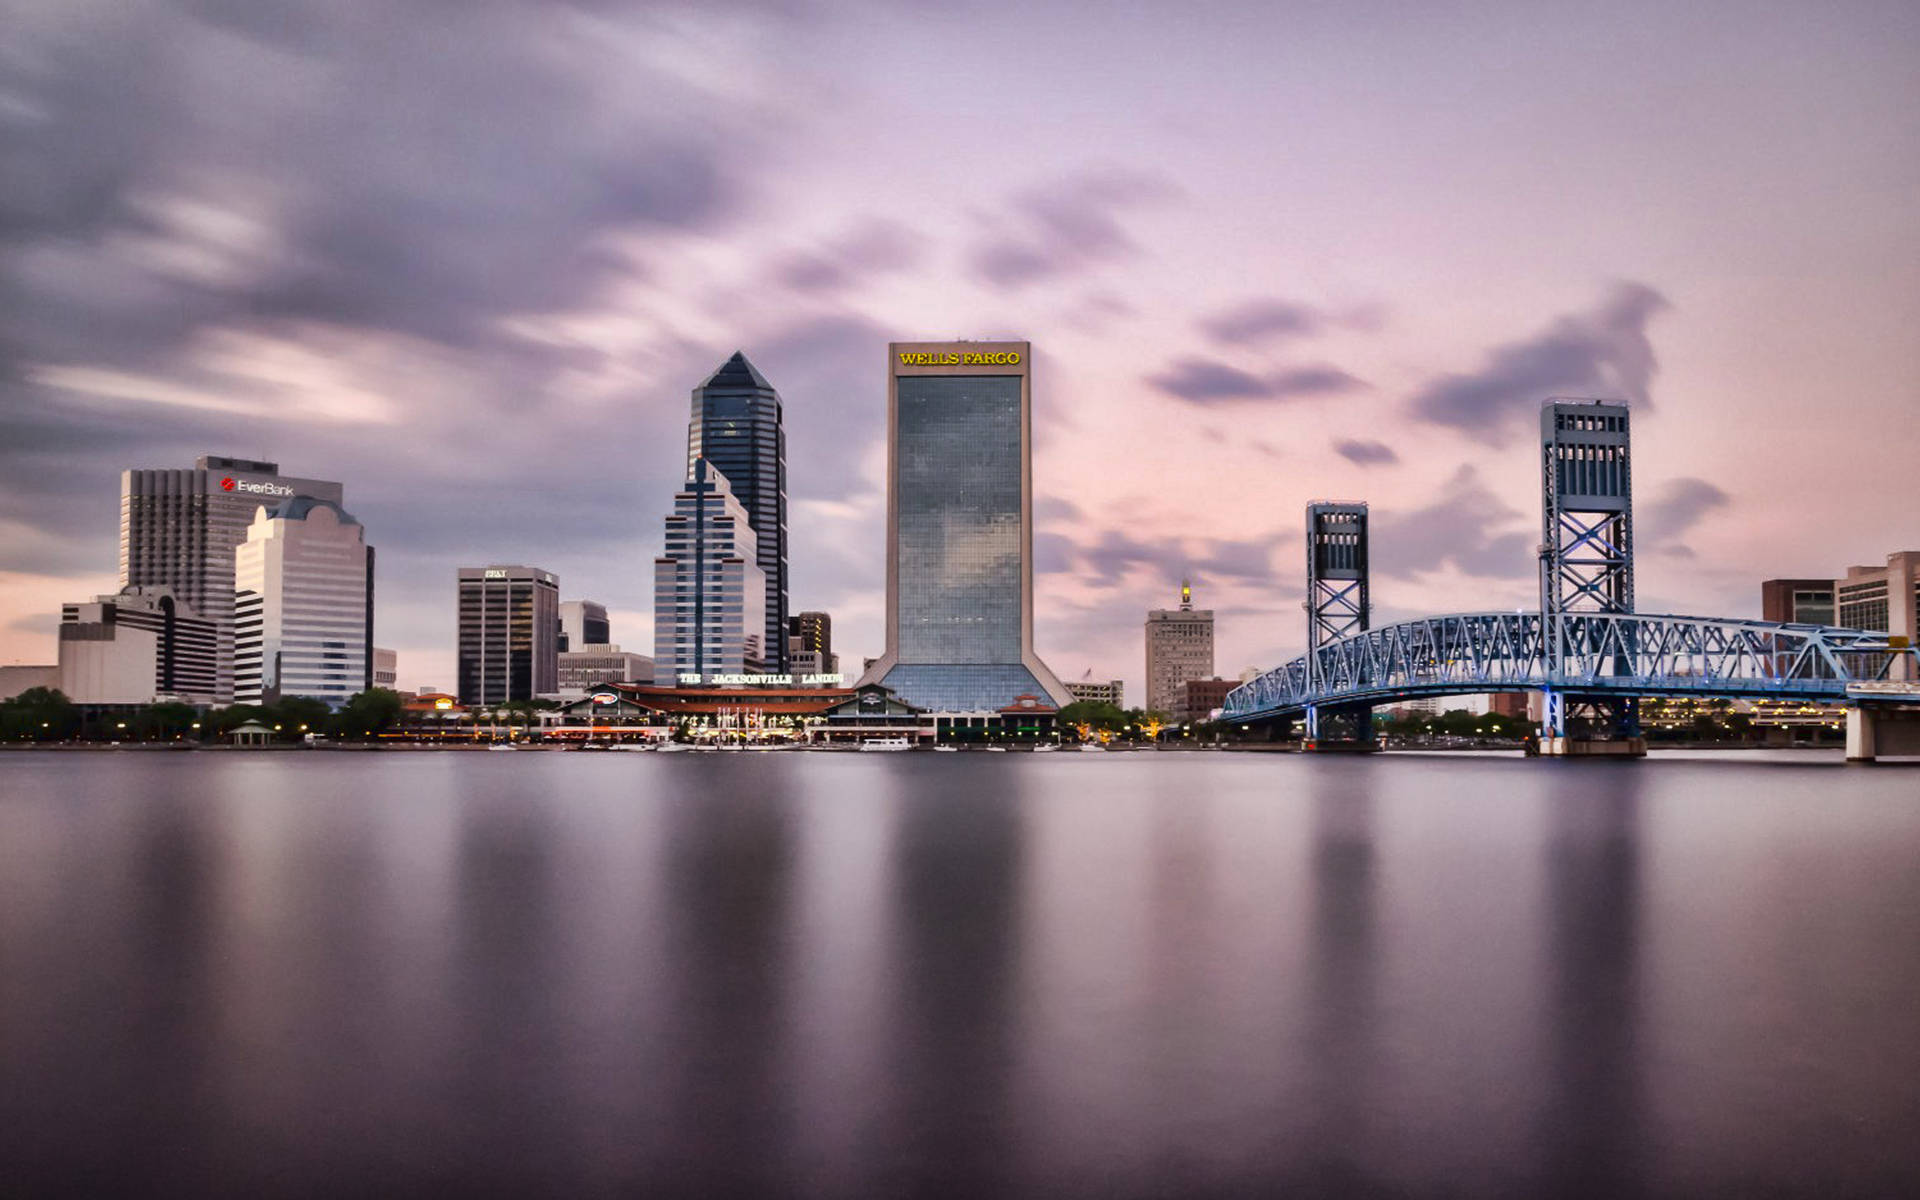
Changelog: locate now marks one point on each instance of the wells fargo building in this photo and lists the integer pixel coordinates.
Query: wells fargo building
(960, 528)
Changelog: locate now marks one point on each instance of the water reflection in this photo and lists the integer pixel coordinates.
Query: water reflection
(1590, 1131)
(1341, 968)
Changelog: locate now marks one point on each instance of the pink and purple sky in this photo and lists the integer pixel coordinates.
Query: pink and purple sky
(469, 259)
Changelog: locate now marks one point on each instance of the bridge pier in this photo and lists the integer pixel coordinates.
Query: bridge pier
(1874, 730)
(1590, 727)
(1339, 730)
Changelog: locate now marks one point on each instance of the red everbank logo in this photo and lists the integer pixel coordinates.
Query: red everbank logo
(226, 485)
(230, 484)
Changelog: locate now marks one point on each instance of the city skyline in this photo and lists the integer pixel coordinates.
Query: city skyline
(1319, 197)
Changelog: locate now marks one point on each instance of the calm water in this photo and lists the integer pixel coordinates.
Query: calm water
(978, 975)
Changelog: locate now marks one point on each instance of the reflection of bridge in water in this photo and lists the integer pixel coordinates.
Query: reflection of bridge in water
(1586, 650)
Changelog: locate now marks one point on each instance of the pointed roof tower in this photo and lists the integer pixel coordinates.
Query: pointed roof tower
(737, 372)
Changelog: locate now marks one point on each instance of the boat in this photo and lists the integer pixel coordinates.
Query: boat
(1093, 746)
(1045, 748)
(946, 749)
(673, 747)
(883, 744)
(500, 746)
(996, 749)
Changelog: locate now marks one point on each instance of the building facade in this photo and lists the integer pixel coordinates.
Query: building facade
(1179, 648)
(136, 647)
(1110, 691)
(303, 605)
(583, 623)
(1797, 601)
(1881, 598)
(736, 426)
(590, 666)
(810, 644)
(386, 668)
(509, 634)
(179, 530)
(709, 593)
(960, 528)
(1199, 698)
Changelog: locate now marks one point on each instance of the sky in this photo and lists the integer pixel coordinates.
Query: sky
(470, 259)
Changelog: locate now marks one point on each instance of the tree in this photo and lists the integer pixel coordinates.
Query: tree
(292, 713)
(163, 722)
(1090, 717)
(39, 714)
(367, 714)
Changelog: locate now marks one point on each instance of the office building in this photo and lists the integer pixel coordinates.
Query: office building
(303, 605)
(179, 530)
(1880, 598)
(1797, 601)
(509, 634)
(1179, 648)
(960, 529)
(1199, 698)
(583, 623)
(138, 646)
(386, 668)
(1097, 691)
(709, 593)
(590, 666)
(736, 426)
(810, 645)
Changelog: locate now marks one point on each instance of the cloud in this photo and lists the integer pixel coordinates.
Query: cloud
(1679, 506)
(1365, 453)
(1109, 555)
(1065, 228)
(1468, 528)
(1602, 353)
(870, 248)
(1209, 381)
(1262, 320)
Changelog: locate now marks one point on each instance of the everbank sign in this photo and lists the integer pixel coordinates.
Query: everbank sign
(230, 484)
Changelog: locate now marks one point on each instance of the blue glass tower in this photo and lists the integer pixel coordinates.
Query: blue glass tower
(960, 529)
(736, 427)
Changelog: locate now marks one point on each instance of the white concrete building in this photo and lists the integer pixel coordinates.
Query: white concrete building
(1179, 648)
(303, 605)
(709, 593)
(136, 647)
(591, 665)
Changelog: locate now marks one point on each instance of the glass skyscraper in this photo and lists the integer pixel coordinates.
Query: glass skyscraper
(960, 529)
(736, 427)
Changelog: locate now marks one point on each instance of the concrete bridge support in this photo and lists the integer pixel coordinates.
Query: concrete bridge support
(1874, 730)
(1340, 730)
(1590, 727)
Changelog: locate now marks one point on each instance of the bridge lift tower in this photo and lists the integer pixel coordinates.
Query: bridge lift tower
(1586, 562)
(1337, 606)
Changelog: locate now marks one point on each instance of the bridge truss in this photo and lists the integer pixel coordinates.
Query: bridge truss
(1584, 655)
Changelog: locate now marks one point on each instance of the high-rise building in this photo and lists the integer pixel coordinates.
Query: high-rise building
(709, 593)
(1797, 601)
(137, 647)
(386, 668)
(1884, 599)
(1179, 648)
(509, 631)
(810, 644)
(179, 530)
(960, 528)
(736, 427)
(1099, 691)
(583, 623)
(303, 605)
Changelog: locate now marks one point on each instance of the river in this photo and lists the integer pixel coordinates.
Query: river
(1174, 974)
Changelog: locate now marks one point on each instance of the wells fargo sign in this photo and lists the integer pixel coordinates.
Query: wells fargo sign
(967, 358)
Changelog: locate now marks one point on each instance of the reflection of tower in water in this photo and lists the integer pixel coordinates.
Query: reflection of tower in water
(1590, 1129)
(1342, 1010)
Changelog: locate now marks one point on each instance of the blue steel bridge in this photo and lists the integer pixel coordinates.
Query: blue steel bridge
(1590, 655)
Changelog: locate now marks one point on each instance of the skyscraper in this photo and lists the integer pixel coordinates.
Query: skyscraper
(960, 528)
(179, 530)
(303, 605)
(509, 633)
(1179, 648)
(709, 592)
(736, 427)
(583, 623)
(134, 648)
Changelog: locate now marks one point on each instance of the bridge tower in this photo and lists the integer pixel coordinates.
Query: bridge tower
(1337, 606)
(1586, 562)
